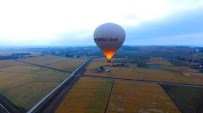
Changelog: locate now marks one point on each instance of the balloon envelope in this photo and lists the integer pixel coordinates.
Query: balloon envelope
(109, 37)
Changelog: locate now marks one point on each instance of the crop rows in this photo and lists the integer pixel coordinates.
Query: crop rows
(25, 84)
(89, 95)
(141, 74)
(97, 95)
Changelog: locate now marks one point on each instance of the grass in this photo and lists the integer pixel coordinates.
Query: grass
(20, 69)
(27, 95)
(179, 63)
(67, 64)
(94, 65)
(188, 99)
(196, 77)
(12, 80)
(25, 89)
(91, 95)
(98, 103)
(103, 59)
(63, 63)
(158, 60)
(136, 73)
(192, 74)
(88, 95)
(24, 85)
(9, 63)
(131, 97)
(44, 60)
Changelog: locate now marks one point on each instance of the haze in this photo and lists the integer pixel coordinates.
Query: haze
(65, 22)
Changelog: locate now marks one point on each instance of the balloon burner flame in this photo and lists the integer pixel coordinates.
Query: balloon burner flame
(109, 54)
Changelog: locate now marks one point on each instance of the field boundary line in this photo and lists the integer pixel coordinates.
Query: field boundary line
(109, 97)
(44, 66)
(148, 81)
(49, 96)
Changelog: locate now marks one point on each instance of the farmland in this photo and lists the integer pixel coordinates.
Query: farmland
(187, 99)
(139, 79)
(165, 73)
(141, 97)
(141, 74)
(98, 95)
(98, 62)
(66, 64)
(89, 95)
(158, 60)
(94, 65)
(24, 83)
(131, 97)
(103, 59)
(192, 74)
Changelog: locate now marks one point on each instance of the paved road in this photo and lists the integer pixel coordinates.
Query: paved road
(6, 106)
(50, 101)
(3, 109)
(149, 81)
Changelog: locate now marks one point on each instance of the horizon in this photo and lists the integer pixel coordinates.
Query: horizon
(61, 46)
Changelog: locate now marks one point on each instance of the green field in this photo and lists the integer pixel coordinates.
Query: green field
(130, 84)
(166, 72)
(135, 97)
(188, 99)
(89, 95)
(136, 73)
(99, 95)
(25, 84)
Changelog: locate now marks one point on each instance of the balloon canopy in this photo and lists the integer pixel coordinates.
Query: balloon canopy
(109, 37)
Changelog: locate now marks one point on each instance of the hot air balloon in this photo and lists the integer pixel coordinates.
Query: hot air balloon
(109, 37)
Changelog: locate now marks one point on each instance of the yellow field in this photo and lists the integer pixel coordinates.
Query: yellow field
(158, 60)
(129, 97)
(181, 69)
(5, 53)
(195, 76)
(89, 95)
(103, 59)
(170, 67)
(24, 84)
(44, 60)
(12, 76)
(94, 65)
(48, 75)
(197, 55)
(12, 80)
(66, 64)
(27, 95)
(97, 62)
(20, 69)
(189, 73)
(9, 63)
(141, 74)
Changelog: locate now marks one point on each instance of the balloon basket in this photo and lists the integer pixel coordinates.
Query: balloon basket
(108, 60)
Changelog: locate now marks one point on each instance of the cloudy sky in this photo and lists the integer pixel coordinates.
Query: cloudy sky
(72, 22)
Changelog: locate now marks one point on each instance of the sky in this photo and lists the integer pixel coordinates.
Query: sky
(72, 22)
